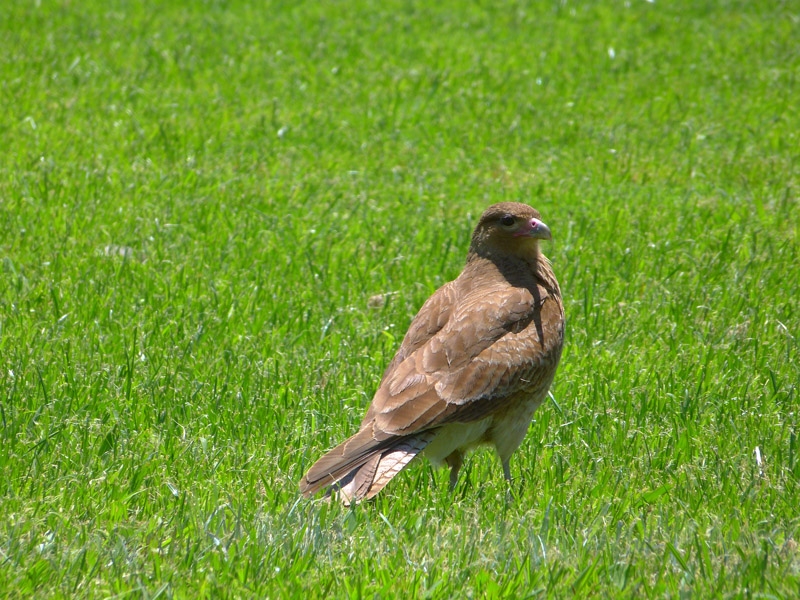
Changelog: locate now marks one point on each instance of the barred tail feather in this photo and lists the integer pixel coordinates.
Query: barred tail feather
(354, 479)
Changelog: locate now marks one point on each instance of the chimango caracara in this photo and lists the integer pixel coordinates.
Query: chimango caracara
(477, 361)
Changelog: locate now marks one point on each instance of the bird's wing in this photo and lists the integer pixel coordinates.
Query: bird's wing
(496, 340)
(429, 320)
(468, 350)
(357, 460)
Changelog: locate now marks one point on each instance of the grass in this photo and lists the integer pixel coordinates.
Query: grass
(198, 200)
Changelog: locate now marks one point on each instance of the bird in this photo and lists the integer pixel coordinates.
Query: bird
(477, 361)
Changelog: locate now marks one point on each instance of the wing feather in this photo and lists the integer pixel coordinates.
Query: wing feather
(495, 342)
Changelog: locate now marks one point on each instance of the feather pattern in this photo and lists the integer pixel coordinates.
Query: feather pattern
(476, 362)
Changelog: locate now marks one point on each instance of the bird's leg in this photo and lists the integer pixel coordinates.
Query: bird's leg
(512, 493)
(454, 460)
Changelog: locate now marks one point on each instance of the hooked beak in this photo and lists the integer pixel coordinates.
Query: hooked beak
(535, 229)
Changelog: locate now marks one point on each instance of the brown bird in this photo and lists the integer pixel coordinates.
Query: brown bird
(477, 361)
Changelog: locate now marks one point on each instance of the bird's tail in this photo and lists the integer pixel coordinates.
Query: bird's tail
(361, 467)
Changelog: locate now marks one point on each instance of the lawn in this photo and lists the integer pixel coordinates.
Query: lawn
(198, 201)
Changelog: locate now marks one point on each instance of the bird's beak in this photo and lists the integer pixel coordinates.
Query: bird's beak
(536, 229)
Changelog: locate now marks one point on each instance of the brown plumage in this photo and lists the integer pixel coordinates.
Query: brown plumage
(477, 361)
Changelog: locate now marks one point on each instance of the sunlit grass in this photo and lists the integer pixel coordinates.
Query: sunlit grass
(198, 201)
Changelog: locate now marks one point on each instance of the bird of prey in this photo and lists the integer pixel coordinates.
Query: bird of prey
(477, 361)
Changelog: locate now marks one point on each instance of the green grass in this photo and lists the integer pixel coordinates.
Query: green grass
(198, 199)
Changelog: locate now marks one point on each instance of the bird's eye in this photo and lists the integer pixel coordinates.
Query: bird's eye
(507, 220)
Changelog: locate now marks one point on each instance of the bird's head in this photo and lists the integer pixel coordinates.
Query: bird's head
(509, 229)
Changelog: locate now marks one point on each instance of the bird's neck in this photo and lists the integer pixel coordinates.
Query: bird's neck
(520, 271)
(527, 253)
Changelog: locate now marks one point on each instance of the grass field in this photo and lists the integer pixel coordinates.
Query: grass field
(198, 199)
